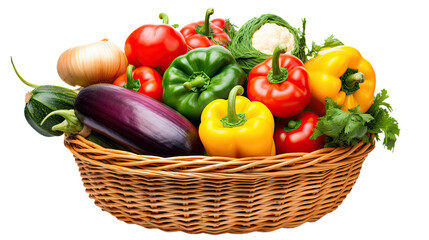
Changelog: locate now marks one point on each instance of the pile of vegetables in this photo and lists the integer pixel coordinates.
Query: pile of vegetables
(213, 88)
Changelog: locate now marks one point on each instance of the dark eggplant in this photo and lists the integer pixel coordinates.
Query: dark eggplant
(72, 126)
(137, 121)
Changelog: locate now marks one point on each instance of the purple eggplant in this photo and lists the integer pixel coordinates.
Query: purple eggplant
(139, 122)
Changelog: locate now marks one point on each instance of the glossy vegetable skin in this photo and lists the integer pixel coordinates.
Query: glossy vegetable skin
(136, 121)
(155, 46)
(41, 101)
(237, 127)
(281, 83)
(202, 75)
(293, 135)
(342, 74)
(205, 33)
(220, 22)
(72, 126)
(144, 80)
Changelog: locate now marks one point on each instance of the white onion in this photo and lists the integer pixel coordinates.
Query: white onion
(99, 62)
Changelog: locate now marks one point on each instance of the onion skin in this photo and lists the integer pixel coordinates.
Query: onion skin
(137, 121)
(99, 62)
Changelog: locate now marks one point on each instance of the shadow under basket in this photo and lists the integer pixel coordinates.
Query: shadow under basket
(200, 194)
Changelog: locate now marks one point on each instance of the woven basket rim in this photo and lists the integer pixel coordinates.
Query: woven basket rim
(214, 167)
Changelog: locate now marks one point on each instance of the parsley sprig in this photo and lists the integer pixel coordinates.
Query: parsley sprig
(348, 128)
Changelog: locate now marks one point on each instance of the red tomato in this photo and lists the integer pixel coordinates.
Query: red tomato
(293, 135)
(150, 82)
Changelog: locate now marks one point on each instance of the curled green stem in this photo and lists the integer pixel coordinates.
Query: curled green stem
(205, 29)
(350, 80)
(22, 79)
(281, 48)
(198, 82)
(71, 124)
(164, 18)
(354, 79)
(278, 74)
(133, 84)
(233, 119)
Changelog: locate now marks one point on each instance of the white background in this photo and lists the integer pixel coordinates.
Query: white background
(41, 193)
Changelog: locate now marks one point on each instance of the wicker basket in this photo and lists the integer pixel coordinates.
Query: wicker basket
(199, 194)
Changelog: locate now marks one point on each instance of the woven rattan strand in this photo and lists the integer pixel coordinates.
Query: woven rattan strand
(200, 194)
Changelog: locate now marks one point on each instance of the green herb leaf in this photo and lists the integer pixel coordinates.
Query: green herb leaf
(342, 128)
(230, 28)
(348, 128)
(383, 122)
(219, 43)
(331, 41)
(302, 42)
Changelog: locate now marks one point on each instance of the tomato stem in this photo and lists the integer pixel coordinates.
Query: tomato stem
(164, 18)
(233, 119)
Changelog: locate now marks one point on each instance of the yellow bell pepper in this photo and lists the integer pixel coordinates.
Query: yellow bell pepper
(237, 127)
(342, 74)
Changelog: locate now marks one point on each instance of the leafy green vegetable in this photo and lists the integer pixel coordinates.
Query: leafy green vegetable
(241, 41)
(304, 52)
(383, 122)
(331, 41)
(348, 128)
(230, 28)
(302, 55)
(341, 128)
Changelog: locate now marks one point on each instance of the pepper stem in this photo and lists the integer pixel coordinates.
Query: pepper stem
(354, 79)
(133, 84)
(164, 18)
(71, 124)
(281, 48)
(22, 79)
(205, 29)
(233, 119)
(292, 125)
(350, 80)
(278, 74)
(198, 82)
(232, 114)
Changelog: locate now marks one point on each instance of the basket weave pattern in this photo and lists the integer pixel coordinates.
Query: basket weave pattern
(200, 194)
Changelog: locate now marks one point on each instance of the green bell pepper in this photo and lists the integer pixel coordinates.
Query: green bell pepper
(202, 75)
